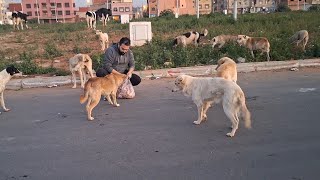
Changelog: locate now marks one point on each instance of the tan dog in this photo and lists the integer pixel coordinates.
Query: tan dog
(97, 86)
(227, 69)
(300, 38)
(189, 38)
(103, 39)
(205, 91)
(255, 43)
(222, 40)
(80, 63)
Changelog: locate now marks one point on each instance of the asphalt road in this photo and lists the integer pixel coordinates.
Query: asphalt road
(46, 136)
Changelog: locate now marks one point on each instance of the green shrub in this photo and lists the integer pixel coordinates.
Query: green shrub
(51, 51)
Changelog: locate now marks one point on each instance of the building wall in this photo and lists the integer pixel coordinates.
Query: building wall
(50, 10)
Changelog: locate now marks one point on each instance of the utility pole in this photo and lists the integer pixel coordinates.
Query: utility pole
(55, 7)
(197, 9)
(38, 11)
(235, 9)
(298, 5)
(177, 11)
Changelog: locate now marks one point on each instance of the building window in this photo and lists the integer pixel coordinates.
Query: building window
(200, 6)
(121, 9)
(66, 5)
(153, 9)
(67, 12)
(127, 9)
(53, 13)
(44, 5)
(74, 4)
(206, 6)
(36, 13)
(59, 12)
(29, 13)
(28, 6)
(45, 13)
(75, 12)
(35, 5)
(115, 9)
(52, 4)
(59, 5)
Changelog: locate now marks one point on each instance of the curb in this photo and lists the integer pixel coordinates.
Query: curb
(39, 81)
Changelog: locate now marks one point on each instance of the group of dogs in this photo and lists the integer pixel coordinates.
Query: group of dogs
(300, 38)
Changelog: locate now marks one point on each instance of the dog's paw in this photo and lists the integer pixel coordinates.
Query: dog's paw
(117, 105)
(196, 122)
(91, 118)
(204, 118)
(230, 134)
(7, 110)
(73, 87)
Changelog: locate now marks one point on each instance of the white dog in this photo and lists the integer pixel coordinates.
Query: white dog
(5, 77)
(188, 38)
(205, 91)
(300, 38)
(80, 63)
(223, 39)
(103, 39)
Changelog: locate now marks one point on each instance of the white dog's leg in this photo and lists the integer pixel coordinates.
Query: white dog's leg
(268, 56)
(231, 114)
(74, 79)
(252, 53)
(205, 109)
(2, 103)
(103, 46)
(81, 77)
(200, 113)
(114, 98)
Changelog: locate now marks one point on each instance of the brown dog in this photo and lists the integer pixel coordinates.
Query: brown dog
(223, 39)
(227, 69)
(300, 38)
(255, 43)
(97, 86)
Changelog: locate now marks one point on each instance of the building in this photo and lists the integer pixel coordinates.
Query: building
(298, 4)
(179, 7)
(118, 8)
(14, 7)
(2, 11)
(50, 11)
(81, 14)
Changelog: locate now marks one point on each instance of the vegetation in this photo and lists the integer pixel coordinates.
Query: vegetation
(64, 40)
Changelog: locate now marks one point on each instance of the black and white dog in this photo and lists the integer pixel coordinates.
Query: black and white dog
(188, 38)
(5, 76)
(18, 18)
(93, 16)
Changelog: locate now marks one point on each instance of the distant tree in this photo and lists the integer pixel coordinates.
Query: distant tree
(166, 13)
(283, 8)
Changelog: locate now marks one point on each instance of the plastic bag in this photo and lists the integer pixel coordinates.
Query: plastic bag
(126, 91)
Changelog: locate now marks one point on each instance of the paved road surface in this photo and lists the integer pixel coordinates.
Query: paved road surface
(46, 135)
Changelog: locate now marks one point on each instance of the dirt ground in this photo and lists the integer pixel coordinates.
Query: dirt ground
(34, 41)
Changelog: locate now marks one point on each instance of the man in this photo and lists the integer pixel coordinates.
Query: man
(119, 59)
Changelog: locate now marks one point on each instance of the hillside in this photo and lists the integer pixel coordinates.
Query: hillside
(51, 45)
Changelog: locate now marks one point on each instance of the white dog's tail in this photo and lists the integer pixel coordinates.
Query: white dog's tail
(245, 113)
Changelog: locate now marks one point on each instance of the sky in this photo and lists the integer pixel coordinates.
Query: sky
(81, 3)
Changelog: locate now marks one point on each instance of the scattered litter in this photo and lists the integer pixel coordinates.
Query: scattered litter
(306, 89)
(51, 86)
(294, 69)
(241, 60)
(153, 77)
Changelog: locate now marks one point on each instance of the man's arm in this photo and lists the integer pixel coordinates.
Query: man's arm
(131, 64)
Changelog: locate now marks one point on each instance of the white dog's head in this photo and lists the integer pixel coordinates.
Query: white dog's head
(98, 32)
(242, 40)
(180, 82)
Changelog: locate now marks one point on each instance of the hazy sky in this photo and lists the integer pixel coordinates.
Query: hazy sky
(83, 2)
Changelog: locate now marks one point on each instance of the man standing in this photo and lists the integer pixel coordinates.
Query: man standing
(119, 59)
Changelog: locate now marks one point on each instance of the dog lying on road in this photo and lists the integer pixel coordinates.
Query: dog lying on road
(97, 86)
(255, 43)
(5, 77)
(227, 69)
(80, 63)
(205, 91)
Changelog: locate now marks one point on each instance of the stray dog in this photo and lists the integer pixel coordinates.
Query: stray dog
(255, 43)
(5, 76)
(227, 69)
(205, 91)
(97, 86)
(188, 38)
(300, 38)
(222, 39)
(103, 39)
(80, 63)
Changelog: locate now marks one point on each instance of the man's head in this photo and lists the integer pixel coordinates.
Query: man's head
(124, 45)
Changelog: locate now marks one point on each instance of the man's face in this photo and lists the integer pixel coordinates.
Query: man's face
(124, 49)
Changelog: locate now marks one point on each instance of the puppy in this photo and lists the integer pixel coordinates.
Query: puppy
(188, 38)
(227, 69)
(255, 43)
(223, 39)
(80, 63)
(205, 91)
(5, 76)
(300, 38)
(97, 86)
